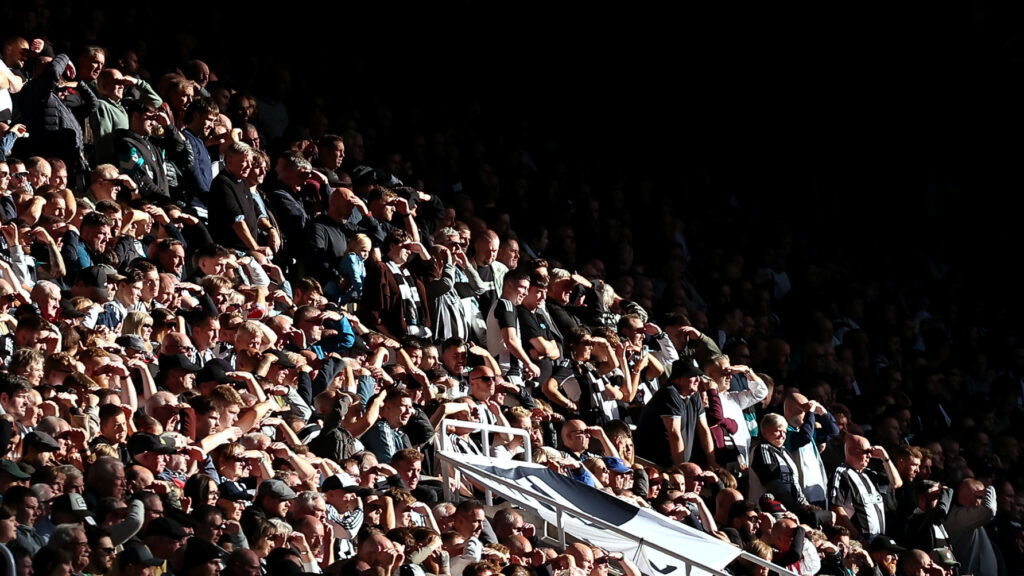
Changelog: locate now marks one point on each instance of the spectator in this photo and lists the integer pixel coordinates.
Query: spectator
(966, 523)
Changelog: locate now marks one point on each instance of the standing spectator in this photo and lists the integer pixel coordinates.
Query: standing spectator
(140, 152)
(54, 128)
(855, 492)
(966, 525)
(395, 300)
(674, 419)
(111, 114)
(233, 220)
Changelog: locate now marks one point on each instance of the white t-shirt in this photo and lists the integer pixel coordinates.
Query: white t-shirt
(5, 94)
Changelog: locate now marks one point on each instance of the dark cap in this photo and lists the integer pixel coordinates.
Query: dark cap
(144, 442)
(234, 492)
(137, 554)
(215, 370)
(685, 369)
(282, 358)
(359, 347)
(884, 543)
(131, 342)
(98, 276)
(199, 552)
(176, 361)
(11, 469)
(339, 482)
(71, 503)
(944, 557)
(363, 175)
(166, 527)
(67, 310)
(41, 441)
(275, 488)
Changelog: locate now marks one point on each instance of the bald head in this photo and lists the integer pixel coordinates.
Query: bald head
(970, 492)
(175, 343)
(795, 406)
(915, 562)
(782, 534)
(858, 452)
(519, 545)
(340, 204)
(242, 561)
(583, 555)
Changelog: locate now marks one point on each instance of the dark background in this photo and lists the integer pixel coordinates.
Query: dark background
(879, 125)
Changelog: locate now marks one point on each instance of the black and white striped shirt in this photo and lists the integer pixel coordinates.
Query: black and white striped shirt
(858, 493)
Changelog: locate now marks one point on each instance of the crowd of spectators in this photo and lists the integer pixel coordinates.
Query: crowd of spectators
(229, 343)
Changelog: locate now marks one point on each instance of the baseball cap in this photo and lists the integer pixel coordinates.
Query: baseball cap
(199, 552)
(884, 543)
(145, 442)
(944, 556)
(282, 358)
(234, 492)
(174, 361)
(617, 465)
(138, 554)
(11, 469)
(685, 369)
(72, 503)
(770, 505)
(166, 527)
(216, 370)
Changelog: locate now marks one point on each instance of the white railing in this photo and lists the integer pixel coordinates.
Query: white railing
(452, 466)
(444, 445)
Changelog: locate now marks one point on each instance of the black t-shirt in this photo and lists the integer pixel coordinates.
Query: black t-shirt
(502, 315)
(487, 275)
(652, 437)
(532, 325)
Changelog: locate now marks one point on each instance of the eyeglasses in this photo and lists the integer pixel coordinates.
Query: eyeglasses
(148, 325)
(81, 544)
(485, 378)
(107, 551)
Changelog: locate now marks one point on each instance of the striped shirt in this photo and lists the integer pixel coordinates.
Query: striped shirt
(775, 472)
(858, 494)
(344, 527)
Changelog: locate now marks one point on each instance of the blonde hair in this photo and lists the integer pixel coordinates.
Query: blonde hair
(214, 282)
(359, 242)
(132, 324)
(223, 396)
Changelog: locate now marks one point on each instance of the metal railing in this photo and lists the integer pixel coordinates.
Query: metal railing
(486, 430)
(452, 465)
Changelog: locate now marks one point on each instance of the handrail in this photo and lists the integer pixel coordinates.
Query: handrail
(486, 438)
(448, 460)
